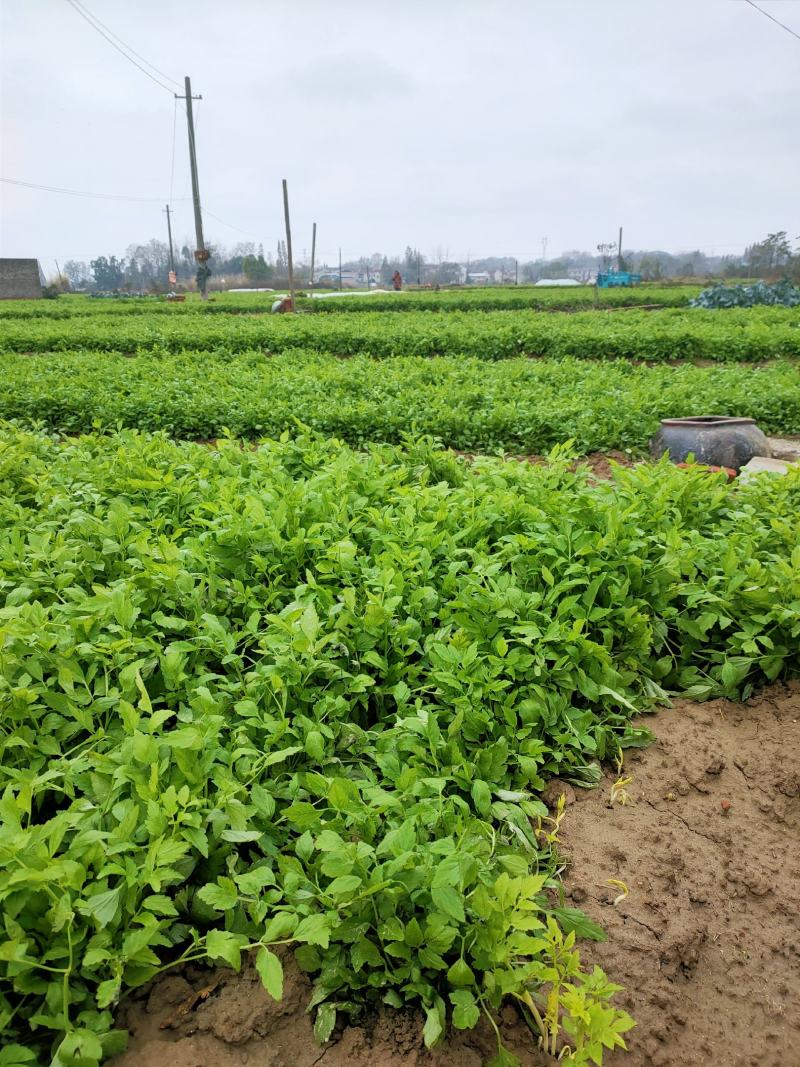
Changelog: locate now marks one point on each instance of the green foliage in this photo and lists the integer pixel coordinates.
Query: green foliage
(305, 696)
(783, 294)
(490, 299)
(752, 334)
(520, 406)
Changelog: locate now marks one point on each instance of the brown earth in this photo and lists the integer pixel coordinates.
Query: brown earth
(706, 941)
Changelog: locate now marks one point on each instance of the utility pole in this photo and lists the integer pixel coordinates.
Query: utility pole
(544, 250)
(201, 253)
(288, 241)
(419, 273)
(340, 270)
(619, 251)
(313, 250)
(169, 235)
(516, 271)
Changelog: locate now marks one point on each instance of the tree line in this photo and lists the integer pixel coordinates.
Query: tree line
(145, 267)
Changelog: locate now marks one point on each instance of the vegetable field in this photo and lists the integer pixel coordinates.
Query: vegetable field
(517, 405)
(304, 697)
(751, 335)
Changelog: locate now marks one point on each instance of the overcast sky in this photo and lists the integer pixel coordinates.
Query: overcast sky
(472, 128)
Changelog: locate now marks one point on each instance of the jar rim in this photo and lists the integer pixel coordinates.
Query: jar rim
(710, 420)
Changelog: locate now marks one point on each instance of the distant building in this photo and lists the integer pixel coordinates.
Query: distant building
(330, 276)
(478, 277)
(20, 279)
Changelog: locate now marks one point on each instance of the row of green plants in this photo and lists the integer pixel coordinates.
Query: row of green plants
(515, 405)
(490, 299)
(303, 699)
(739, 334)
(580, 298)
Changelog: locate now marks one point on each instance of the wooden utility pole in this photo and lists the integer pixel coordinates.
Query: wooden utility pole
(169, 235)
(516, 271)
(419, 273)
(619, 250)
(313, 251)
(201, 253)
(340, 270)
(288, 241)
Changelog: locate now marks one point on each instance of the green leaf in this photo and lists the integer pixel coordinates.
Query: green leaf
(413, 935)
(460, 974)
(270, 970)
(434, 1024)
(324, 1022)
(103, 907)
(574, 920)
(315, 745)
(448, 901)
(315, 929)
(16, 1056)
(280, 926)
(223, 945)
(224, 896)
(465, 1009)
(80, 1048)
(482, 797)
(344, 886)
(364, 952)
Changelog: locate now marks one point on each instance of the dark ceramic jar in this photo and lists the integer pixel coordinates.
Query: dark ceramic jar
(717, 440)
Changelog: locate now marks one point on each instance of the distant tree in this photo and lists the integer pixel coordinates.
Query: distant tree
(769, 255)
(282, 260)
(77, 273)
(257, 270)
(109, 272)
(413, 263)
(651, 269)
(448, 272)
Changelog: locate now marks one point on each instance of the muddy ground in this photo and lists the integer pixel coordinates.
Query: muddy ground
(706, 942)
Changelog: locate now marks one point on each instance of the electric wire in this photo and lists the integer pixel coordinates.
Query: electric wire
(772, 18)
(124, 44)
(84, 193)
(73, 4)
(228, 224)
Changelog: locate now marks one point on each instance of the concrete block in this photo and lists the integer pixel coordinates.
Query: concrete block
(765, 465)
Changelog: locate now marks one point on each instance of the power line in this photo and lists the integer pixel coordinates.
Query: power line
(84, 193)
(133, 51)
(772, 18)
(95, 26)
(228, 224)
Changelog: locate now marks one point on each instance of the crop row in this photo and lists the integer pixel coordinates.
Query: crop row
(516, 405)
(492, 299)
(568, 299)
(750, 334)
(305, 697)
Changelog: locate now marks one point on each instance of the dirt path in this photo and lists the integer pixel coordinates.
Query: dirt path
(707, 941)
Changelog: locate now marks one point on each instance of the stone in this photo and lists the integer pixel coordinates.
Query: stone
(765, 465)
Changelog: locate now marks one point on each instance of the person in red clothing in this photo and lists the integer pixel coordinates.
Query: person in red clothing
(397, 281)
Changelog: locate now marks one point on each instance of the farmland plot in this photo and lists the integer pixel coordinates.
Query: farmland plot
(306, 697)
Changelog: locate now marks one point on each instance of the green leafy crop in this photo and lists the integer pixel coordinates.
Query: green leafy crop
(520, 406)
(751, 334)
(304, 696)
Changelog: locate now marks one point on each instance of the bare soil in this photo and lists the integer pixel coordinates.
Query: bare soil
(706, 941)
